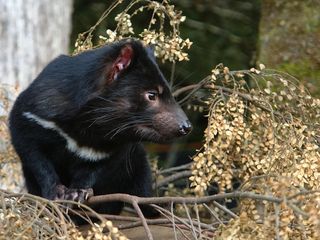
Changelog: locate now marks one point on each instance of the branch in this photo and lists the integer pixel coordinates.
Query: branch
(177, 92)
(180, 200)
(196, 87)
(135, 201)
(174, 169)
(143, 220)
(223, 208)
(172, 178)
(184, 221)
(159, 221)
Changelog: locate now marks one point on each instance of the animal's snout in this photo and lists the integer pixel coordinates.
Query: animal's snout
(172, 123)
(185, 127)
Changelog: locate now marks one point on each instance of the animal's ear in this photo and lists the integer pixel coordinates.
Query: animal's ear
(121, 62)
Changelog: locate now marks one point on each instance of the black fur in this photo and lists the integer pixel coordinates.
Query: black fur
(108, 99)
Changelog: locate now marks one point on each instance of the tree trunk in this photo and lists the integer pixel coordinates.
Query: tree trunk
(290, 39)
(32, 32)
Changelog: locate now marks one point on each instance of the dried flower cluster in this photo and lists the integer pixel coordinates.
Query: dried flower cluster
(30, 217)
(270, 129)
(296, 217)
(224, 136)
(243, 228)
(98, 231)
(167, 46)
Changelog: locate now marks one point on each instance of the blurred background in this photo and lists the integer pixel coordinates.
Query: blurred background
(282, 34)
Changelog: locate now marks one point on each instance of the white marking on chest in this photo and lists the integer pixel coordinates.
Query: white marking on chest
(81, 151)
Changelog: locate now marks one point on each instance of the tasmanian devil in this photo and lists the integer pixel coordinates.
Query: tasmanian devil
(80, 123)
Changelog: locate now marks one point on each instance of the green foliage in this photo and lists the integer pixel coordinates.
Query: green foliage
(306, 71)
(290, 43)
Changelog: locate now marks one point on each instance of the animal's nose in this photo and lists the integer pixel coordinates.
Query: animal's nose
(185, 128)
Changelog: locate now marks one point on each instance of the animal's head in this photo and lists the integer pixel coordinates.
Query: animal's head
(133, 99)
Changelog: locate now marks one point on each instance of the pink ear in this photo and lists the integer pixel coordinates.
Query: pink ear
(123, 60)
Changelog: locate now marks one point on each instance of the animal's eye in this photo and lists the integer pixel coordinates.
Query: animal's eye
(152, 96)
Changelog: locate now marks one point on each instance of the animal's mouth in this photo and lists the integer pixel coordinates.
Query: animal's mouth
(149, 133)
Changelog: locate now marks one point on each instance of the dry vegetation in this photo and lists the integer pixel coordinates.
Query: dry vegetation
(265, 134)
(10, 169)
(24, 216)
(167, 46)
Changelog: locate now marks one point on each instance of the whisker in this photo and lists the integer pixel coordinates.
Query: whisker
(126, 126)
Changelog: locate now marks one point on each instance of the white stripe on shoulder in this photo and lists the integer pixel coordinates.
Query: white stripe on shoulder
(81, 151)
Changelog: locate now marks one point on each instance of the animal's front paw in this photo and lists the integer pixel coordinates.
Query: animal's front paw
(78, 195)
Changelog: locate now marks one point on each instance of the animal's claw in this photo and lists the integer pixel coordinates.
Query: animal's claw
(73, 194)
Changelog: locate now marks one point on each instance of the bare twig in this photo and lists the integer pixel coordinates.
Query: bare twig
(203, 84)
(188, 200)
(173, 178)
(223, 208)
(143, 220)
(160, 221)
(190, 221)
(166, 215)
(198, 219)
(277, 216)
(175, 169)
(214, 214)
(185, 222)
(304, 193)
(174, 227)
